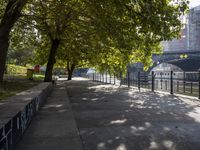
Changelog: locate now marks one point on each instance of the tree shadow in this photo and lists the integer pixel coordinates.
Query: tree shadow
(117, 118)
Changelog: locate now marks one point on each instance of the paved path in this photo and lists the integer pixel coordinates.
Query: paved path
(54, 127)
(113, 118)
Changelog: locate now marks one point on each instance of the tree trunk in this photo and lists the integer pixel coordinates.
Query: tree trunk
(51, 60)
(3, 53)
(70, 71)
(69, 75)
(10, 16)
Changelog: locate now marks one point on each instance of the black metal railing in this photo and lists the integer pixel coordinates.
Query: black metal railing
(187, 83)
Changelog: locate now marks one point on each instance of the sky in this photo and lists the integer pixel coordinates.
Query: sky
(194, 3)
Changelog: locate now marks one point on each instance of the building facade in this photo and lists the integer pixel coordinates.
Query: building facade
(190, 34)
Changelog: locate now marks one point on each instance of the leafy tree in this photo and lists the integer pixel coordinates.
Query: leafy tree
(9, 14)
(105, 34)
(23, 41)
(51, 19)
(137, 28)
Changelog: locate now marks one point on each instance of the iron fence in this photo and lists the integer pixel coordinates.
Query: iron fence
(187, 83)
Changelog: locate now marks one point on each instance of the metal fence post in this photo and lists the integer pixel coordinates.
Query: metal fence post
(93, 76)
(114, 79)
(106, 78)
(120, 78)
(177, 86)
(152, 81)
(100, 77)
(139, 80)
(128, 79)
(191, 87)
(110, 78)
(183, 82)
(161, 80)
(199, 85)
(171, 83)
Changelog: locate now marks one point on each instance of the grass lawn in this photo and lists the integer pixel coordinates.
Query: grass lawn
(15, 84)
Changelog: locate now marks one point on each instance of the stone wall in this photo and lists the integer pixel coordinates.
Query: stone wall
(17, 111)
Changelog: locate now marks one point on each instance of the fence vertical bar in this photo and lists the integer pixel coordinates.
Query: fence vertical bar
(191, 87)
(114, 78)
(99, 77)
(128, 79)
(106, 78)
(177, 86)
(152, 81)
(120, 78)
(171, 83)
(184, 82)
(131, 79)
(199, 84)
(139, 80)
(161, 80)
(110, 78)
(146, 80)
(96, 76)
(93, 76)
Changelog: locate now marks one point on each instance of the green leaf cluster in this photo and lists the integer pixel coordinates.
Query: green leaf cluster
(106, 34)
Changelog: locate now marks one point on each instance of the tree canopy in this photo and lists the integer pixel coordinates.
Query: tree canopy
(106, 34)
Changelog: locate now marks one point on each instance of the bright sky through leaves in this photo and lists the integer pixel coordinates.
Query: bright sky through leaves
(194, 3)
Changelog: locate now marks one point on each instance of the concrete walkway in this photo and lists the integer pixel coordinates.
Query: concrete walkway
(54, 127)
(116, 118)
(113, 118)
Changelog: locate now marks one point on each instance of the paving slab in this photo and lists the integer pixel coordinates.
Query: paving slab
(117, 118)
(54, 126)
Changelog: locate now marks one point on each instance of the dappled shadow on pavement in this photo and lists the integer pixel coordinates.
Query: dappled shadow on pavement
(117, 118)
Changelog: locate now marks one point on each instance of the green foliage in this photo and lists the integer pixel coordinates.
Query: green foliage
(15, 69)
(104, 34)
